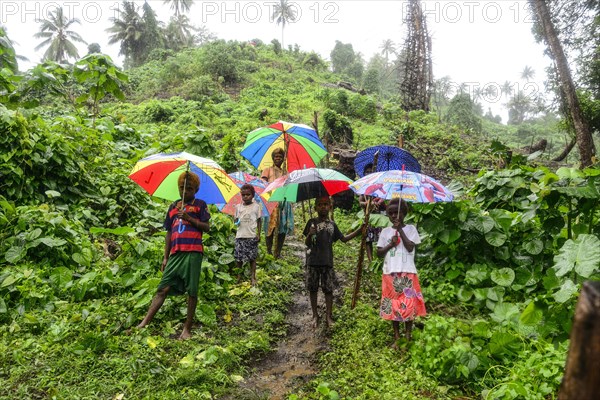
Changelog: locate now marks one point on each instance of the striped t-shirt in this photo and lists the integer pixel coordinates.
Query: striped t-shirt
(185, 237)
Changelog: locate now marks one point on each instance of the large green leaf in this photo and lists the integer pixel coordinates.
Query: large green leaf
(53, 242)
(581, 255)
(226, 258)
(14, 254)
(566, 291)
(61, 277)
(123, 230)
(503, 276)
(448, 236)
(495, 238)
(484, 223)
(532, 314)
(504, 311)
(534, 247)
(503, 342)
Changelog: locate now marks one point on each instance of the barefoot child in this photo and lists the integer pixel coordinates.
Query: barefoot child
(401, 297)
(248, 218)
(183, 251)
(320, 234)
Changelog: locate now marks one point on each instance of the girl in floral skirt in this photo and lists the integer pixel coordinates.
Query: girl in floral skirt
(401, 297)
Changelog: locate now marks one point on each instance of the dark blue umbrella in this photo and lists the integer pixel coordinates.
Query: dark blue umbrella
(390, 158)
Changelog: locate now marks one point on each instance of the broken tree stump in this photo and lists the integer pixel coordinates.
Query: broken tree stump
(582, 370)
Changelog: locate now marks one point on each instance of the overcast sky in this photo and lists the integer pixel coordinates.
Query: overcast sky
(475, 42)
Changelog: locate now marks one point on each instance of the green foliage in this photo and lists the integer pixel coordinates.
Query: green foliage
(100, 77)
(462, 112)
(337, 127)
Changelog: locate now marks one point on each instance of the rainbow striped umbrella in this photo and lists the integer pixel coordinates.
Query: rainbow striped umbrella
(158, 176)
(301, 143)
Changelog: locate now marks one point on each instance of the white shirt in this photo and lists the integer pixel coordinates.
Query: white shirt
(398, 259)
(247, 215)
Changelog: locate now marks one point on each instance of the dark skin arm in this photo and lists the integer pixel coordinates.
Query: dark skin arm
(258, 228)
(196, 223)
(313, 231)
(351, 235)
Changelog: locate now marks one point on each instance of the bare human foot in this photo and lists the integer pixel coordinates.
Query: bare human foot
(329, 322)
(394, 345)
(315, 322)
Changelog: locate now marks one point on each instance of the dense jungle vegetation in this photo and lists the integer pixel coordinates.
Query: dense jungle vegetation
(80, 243)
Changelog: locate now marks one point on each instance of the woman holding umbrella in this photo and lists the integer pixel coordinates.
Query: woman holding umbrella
(282, 218)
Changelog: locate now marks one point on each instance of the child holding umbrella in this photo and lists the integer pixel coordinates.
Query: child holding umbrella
(185, 222)
(401, 297)
(321, 233)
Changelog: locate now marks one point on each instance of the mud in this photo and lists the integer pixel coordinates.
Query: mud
(293, 361)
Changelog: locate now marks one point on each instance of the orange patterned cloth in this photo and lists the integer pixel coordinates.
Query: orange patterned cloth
(401, 297)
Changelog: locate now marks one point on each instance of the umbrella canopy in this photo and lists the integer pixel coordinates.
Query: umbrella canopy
(158, 176)
(310, 183)
(389, 158)
(407, 185)
(240, 179)
(301, 143)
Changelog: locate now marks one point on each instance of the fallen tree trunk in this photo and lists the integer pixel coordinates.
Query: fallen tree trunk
(566, 151)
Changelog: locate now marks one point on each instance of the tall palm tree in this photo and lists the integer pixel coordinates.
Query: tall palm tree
(8, 57)
(387, 47)
(528, 73)
(128, 28)
(180, 6)
(180, 33)
(507, 88)
(283, 13)
(58, 37)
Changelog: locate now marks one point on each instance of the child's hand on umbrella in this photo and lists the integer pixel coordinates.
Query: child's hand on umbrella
(395, 239)
(184, 216)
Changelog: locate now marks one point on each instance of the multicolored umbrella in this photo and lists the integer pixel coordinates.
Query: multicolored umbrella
(407, 185)
(389, 158)
(300, 142)
(158, 176)
(310, 183)
(242, 178)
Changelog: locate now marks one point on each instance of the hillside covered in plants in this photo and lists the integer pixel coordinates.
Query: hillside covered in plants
(80, 243)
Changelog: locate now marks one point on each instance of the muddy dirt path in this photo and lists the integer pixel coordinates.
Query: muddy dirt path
(293, 361)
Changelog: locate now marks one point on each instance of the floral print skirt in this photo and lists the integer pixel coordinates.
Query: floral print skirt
(401, 297)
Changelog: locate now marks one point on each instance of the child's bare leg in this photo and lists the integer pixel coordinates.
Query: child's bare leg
(369, 252)
(313, 306)
(408, 326)
(328, 309)
(396, 326)
(280, 240)
(157, 302)
(269, 243)
(192, 301)
(239, 265)
(253, 272)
